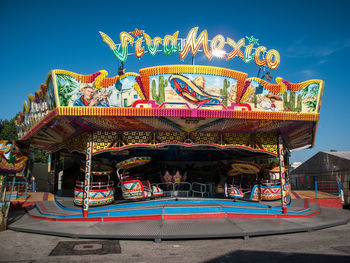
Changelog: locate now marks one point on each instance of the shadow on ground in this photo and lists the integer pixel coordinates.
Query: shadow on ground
(15, 214)
(268, 257)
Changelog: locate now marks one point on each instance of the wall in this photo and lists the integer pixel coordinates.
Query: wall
(41, 176)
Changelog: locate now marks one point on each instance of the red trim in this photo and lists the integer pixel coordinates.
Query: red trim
(85, 213)
(157, 217)
(169, 217)
(99, 190)
(328, 202)
(195, 216)
(230, 215)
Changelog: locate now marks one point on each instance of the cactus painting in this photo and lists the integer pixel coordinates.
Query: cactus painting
(289, 104)
(158, 93)
(224, 91)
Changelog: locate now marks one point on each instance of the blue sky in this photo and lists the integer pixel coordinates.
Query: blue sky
(311, 36)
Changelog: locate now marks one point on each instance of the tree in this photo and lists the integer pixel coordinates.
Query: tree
(8, 130)
(39, 155)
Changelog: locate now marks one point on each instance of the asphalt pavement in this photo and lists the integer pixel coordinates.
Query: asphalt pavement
(326, 245)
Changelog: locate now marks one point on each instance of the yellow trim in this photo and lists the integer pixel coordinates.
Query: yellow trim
(320, 94)
(191, 69)
(150, 112)
(53, 77)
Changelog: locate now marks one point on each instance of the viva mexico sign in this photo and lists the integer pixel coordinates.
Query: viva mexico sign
(219, 46)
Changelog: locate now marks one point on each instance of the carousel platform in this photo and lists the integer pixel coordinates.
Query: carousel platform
(185, 218)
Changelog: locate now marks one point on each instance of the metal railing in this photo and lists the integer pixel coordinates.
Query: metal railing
(19, 189)
(95, 185)
(182, 189)
(328, 188)
(186, 189)
(202, 189)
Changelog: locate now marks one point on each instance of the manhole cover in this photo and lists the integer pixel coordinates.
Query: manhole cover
(69, 248)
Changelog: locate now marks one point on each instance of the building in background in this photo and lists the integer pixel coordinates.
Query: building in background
(325, 167)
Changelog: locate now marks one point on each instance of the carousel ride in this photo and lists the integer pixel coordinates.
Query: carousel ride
(191, 107)
(250, 185)
(134, 187)
(101, 188)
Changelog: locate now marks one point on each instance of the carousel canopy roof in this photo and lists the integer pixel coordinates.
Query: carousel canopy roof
(190, 105)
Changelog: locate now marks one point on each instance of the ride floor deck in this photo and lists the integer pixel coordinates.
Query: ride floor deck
(170, 208)
(159, 229)
(181, 219)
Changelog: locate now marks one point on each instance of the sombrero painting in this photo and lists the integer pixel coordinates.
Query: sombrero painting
(241, 167)
(191, 91)
(133, 162)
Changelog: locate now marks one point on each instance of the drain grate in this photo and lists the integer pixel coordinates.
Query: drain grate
(71, 248)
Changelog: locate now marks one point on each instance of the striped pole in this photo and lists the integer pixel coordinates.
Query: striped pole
(283, 174)
(87, 175)
(49, 163)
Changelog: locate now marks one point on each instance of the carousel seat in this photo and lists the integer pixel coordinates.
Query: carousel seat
(147, 188)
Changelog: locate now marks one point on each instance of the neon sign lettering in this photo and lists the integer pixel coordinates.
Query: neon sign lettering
(194, 43)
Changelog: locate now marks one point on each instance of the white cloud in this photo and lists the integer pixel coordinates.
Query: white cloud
(302, 48)
(308, 73)
(217, 82)
(127, 84)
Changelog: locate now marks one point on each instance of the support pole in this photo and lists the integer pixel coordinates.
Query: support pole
(87, 175)
(49, 161)
(283, 174)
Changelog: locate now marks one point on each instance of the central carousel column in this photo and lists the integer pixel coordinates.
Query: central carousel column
(283, 174)
(87, 175)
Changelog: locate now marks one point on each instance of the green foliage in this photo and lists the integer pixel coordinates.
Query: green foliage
(311, 104)
(8, 130)
(310, 91)
(289, 104)
(224, 91)
(39, 155)
(160, 96)
(66, 85)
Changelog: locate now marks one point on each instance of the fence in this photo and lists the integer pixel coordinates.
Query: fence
(303, 183)
(16, 189)
(328, 188)
(182, 189)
